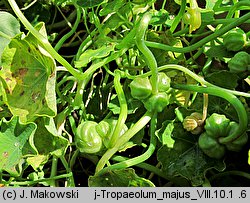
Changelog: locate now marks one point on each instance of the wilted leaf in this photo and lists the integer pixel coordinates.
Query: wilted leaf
(119, 178)
(13, 137)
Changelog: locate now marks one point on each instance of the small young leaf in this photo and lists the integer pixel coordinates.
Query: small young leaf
(207, 16)
(164, 134)
(91, 54)
(112, 7)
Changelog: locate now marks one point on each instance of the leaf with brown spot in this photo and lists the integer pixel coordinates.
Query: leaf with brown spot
(14, 136)
(30, 89)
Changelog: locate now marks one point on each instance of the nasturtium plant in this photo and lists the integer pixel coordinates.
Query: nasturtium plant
(110, 93)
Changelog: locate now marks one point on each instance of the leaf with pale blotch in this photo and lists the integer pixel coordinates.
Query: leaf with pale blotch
(14, 136)
(37, 161)
(28, 79)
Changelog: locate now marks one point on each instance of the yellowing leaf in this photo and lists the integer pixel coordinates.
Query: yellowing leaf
(28, 79)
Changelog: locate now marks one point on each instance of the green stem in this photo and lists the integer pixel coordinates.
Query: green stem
(234, 9)
(73, 158)
(43, 40)
(149, 57)
(72, 31)
(234, 173)
(123, 110)
(141, 158)
(145, 166)
(124, 139)
(236, 13)
(32, 182)
(203, 41)
(177, 19)
(236, 103)
(195, 56)
(78, 100)
(128, 40)
(86, 76)
(183, 69)
(84, 45)
(63, 23)
(191, 74)
(72, 124)
(71, 181)
(53, 172)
